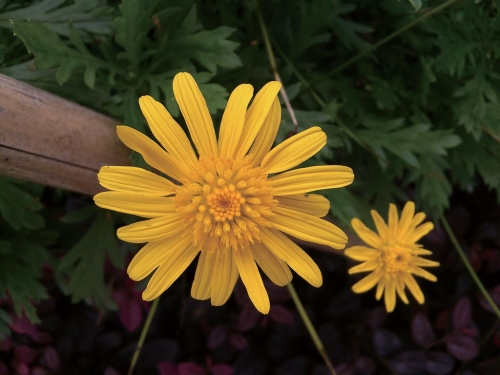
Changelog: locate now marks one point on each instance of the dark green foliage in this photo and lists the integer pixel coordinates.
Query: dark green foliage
(85, 261)
(415, 118)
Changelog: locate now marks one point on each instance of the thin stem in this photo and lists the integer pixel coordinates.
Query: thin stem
(310, 328)
(388, 38)
(490, 133)
(272, 62)
(142, 338)
(469, 266)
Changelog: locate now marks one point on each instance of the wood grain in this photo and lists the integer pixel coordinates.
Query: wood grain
(52, 141)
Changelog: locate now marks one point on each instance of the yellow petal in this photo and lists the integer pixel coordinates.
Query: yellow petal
(308, 228)
(310, 204)
(195, 111)
(150, 257)
(367, 266)
(294, 150)
(233, 120)
(267, 134)
(422, 262)
(178, 259)
(286, 250)
(390, 296)
(308, 179)
(252, 280)
(392, 223)
(135, 180)
(202, 284)
(380, 289)
(276, 269)
(153, 154)
(366, 283)
(414, 288)
(400, 290)
(421, 231)
(382, 228)
(168, 132)
(361, 253)
(256, 114)
(406, 218)
(423, 273)
(225, 274)
(417, 219)
(369, 237)
(135, 204)
(151, 230)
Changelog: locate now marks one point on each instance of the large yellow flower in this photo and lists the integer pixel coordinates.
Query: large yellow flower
(222, 201)
(393, 256)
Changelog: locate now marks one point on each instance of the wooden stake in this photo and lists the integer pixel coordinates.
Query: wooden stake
(52, 141)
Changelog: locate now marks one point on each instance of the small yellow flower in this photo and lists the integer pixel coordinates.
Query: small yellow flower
(393, 256)
(222, 201)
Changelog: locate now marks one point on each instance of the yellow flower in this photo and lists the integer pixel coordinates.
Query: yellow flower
(222, 201)
(393, 255)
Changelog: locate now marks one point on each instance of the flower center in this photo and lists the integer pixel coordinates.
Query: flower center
(225, 203)
(395, 258)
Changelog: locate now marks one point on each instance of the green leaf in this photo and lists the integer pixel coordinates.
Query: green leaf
(50, 51)
(416, 4)
(208, 48)
(84, 262)
(20, 271)
(432, 185)
(19, 208)
(80, 215)
(86, 15)
(132, 29)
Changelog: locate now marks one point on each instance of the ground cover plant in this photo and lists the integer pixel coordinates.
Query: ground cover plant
(407, 93)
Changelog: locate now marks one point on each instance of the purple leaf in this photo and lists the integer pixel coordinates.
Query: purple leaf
(25, 354)
(238, 341)
(281, 314)
(222, 369)
(22, 369)
(461, 346)
(376, 317)
(3, 369)
(249, 317)
(408, 363)
(130, 309)
(217, 337)
(421, 330)
(111, 371)
(495, 295)
(50, 359)
(385, 342)
(23, 326)
(187, 368)
(438, 363)
(41, 371)
(345, 369)
(462, 313)
(167, 368)
(365, 365)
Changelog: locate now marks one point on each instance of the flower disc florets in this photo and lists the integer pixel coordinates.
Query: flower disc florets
(226, 205)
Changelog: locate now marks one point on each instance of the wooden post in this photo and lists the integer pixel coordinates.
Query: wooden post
(52, 141)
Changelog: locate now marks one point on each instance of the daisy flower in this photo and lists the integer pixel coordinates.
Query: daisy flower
(231, 200)
(393, 255)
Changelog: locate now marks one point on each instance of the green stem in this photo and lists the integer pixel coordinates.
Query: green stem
(142, 338)
(310, 328)
(469, 266)
(274, 67)
(388, 38)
